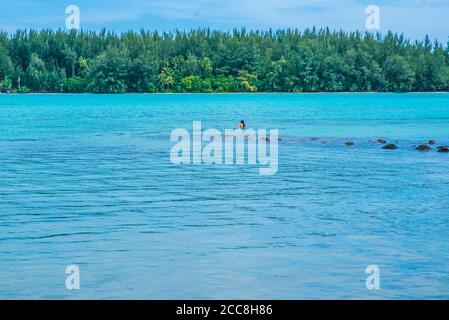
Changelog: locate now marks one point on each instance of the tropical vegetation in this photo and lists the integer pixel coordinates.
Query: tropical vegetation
(216, 61)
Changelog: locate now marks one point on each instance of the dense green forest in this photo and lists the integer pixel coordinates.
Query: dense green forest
(215, 61)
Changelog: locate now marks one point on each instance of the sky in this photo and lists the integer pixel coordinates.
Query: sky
(414, 18)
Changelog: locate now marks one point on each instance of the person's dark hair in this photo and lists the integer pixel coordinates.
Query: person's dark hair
(243, 122)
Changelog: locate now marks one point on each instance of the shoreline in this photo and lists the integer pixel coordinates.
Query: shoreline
(226, 93)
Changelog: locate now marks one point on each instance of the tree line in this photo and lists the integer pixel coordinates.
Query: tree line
(214, 61)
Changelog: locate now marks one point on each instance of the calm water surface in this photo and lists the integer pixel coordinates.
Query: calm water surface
(87, 180)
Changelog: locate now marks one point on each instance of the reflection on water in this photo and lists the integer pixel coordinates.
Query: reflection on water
(87, 180)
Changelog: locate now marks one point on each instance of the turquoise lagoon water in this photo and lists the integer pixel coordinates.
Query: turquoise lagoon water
(87, 180)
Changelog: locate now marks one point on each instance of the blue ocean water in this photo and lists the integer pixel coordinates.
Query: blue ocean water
(87, 180)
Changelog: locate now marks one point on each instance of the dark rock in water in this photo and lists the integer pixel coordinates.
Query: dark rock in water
(349, 143)
(269, 140)
(323, 142)
(432, 142)
(390, 147)
(382, 141)
(443, 149)
(314, 139)
(423, 147)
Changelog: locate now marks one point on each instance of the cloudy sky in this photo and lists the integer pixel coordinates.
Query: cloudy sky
(415, 18)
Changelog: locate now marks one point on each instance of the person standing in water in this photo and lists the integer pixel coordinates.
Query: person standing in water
(242, 126)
